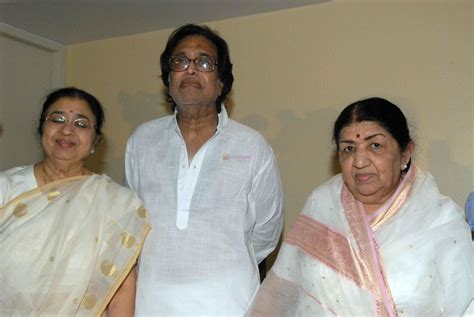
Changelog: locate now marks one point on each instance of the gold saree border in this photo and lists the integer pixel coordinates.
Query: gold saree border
(41, 190)
(118, 282)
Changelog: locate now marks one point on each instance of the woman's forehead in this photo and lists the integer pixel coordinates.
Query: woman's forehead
(71, 106)
(362, 129)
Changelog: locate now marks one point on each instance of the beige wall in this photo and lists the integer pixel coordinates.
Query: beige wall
(296, 69)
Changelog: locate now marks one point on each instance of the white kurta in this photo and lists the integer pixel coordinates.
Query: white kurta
(214, 218)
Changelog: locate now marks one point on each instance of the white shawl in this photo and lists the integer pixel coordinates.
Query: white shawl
(414, 257)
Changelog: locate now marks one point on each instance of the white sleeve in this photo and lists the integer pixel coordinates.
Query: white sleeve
(266, 194)
(3, 189)
(130, 180)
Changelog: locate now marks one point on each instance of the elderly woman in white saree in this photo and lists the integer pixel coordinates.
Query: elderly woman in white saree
(69, 239)
(378, 239)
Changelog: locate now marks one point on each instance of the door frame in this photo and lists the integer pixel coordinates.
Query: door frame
(57, 50)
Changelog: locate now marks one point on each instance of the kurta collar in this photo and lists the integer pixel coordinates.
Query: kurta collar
(223, 118)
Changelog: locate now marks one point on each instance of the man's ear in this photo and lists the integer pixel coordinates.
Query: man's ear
(222, 86)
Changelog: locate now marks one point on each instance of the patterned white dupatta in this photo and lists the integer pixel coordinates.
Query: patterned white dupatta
(67, 246)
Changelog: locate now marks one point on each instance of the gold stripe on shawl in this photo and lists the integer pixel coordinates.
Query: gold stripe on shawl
(123, 275)
(372, 259)
(396, 204)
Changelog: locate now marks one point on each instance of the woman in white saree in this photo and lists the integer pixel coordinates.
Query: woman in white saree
(69, 239)
(378, 239)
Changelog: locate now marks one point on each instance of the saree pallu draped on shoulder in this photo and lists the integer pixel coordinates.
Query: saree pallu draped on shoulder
(67, 246)
(413, 257)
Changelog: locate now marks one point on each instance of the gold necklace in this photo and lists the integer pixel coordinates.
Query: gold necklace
(47, 179)
(44, 174)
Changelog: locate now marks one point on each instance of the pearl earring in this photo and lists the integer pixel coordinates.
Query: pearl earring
(92, 151)
(404, 167)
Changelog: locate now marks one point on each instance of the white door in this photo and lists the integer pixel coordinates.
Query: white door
(29, 68)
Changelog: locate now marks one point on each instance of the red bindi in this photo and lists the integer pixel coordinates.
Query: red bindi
(358, 135)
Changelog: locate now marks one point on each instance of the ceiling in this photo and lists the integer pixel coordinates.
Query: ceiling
(75, 21)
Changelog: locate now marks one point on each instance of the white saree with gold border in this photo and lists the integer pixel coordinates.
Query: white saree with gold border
(67, 246)
(412, 257)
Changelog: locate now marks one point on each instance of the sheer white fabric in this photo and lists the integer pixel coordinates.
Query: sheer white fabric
(16, 181)
(424, 247)
(208, 268)
(66, 246)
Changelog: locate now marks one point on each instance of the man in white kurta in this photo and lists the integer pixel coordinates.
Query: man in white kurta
(215, 214)
(214, 219)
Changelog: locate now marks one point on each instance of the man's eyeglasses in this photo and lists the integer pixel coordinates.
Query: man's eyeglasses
(203, 63)
(61, 120)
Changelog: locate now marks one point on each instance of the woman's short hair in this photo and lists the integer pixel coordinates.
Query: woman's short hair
(378, 110)
(224, 66)
(73, 93)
